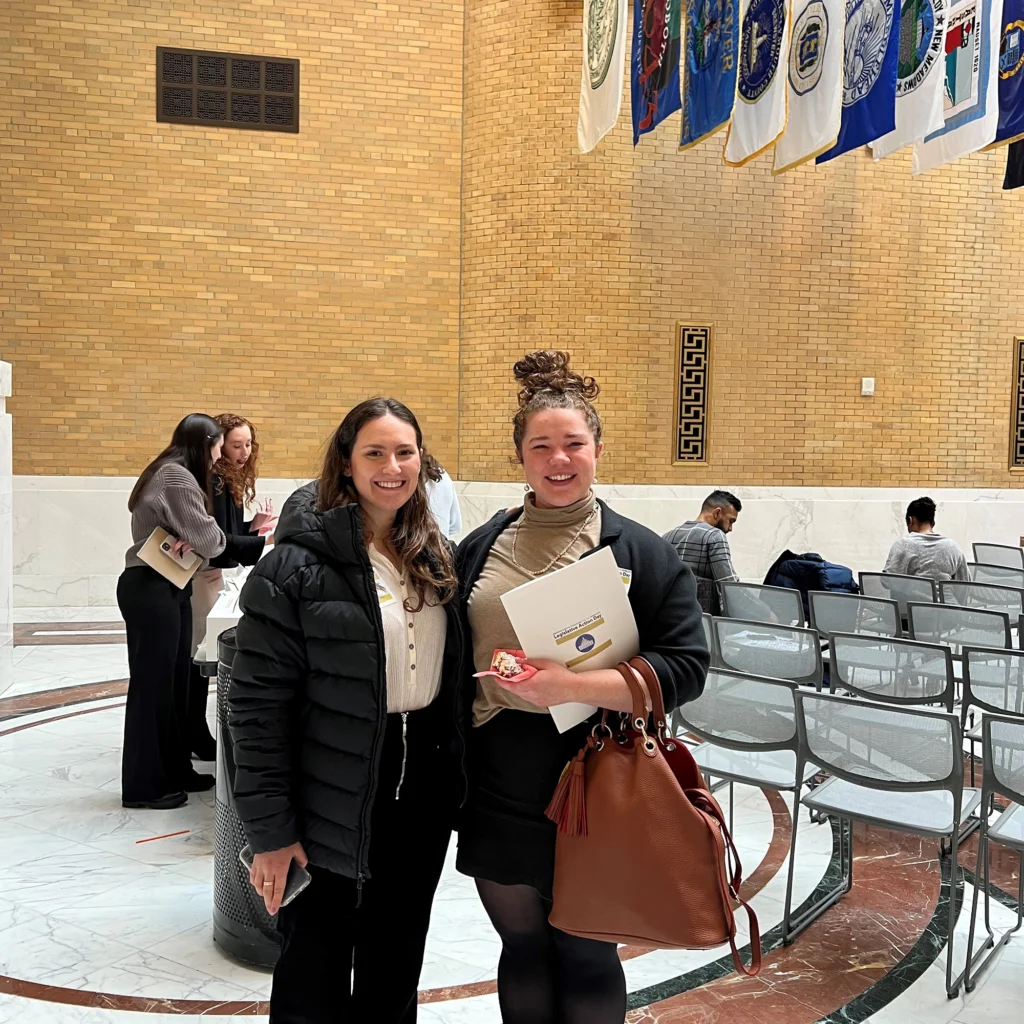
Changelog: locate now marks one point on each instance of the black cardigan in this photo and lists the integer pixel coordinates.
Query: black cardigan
(243, 547)
(662, 594)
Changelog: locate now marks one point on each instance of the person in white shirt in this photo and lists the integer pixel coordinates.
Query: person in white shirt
(441, 497)
(923, 552)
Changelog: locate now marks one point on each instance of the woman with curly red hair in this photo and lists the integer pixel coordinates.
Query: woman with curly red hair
(234, 490)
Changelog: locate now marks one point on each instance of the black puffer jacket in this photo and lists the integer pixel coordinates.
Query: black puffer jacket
(308, 695)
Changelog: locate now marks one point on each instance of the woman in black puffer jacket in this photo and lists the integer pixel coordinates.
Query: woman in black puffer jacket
(342, 714)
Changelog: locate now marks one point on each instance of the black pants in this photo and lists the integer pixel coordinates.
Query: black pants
(158, 621)
(343, 963)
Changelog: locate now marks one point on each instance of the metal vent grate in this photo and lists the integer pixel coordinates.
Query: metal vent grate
(226, 89)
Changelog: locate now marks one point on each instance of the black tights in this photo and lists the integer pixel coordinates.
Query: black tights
(546, 976)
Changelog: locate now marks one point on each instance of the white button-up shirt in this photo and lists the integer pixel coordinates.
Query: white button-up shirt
(413, 641)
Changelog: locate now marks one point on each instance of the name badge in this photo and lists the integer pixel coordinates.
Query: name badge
(627, 577)
(384, 596)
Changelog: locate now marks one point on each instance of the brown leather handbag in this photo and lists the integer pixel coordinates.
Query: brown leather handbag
(643, 855)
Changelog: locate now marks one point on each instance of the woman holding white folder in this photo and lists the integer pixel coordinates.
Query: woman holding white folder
(515, 753)
(173, 493)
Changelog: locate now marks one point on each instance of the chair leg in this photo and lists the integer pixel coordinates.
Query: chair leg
(953, 985)
(980, 961)
(793, 925)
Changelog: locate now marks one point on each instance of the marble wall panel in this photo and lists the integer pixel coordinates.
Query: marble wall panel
(70, 533)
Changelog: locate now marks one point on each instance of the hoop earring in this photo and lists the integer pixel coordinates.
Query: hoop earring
(526, 488)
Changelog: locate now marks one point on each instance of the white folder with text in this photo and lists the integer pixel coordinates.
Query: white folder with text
(579, 616)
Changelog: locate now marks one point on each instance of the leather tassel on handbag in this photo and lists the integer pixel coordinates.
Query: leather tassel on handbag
(633, 805)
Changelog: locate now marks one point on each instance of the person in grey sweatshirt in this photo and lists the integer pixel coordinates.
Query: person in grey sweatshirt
(923, 552)
(174, 493)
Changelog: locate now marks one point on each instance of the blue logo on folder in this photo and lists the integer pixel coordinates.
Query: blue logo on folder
(585, 643)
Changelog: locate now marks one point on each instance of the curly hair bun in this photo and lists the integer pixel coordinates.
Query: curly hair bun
(548, 370)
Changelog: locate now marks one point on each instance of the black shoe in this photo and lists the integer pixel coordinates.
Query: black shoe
(204, 748)
(161, 803)
(196, 782)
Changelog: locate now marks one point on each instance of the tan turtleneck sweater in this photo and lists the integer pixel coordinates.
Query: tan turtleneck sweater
(543, 533)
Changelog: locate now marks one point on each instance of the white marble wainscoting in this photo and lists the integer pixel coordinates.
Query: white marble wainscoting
(70, 533)
(6, 532)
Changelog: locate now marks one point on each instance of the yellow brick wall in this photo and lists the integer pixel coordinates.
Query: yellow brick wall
(149, 269)
(812, 281)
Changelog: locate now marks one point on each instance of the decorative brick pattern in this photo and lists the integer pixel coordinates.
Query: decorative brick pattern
(693, 388)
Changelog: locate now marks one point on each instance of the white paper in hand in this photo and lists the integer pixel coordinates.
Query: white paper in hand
(579, 616)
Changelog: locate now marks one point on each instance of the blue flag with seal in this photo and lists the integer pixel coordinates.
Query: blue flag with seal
(871, 51)
(654, 66)
(1011, 75)
(709, 67)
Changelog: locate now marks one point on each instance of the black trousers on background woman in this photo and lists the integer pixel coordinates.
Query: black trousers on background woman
(158, 619)
(327, 927)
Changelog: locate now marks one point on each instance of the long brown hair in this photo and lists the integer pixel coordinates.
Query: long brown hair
(415, 535)
(190, 447)
(546, 382)
(241, 482)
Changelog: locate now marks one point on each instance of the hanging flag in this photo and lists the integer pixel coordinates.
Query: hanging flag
(919, 75)
(709, 68)
(1011, 74)
(1014, 165)
(814, 84)
(971, 103)
(604, 50)
(759, 115)
(870, 48)
(655, 63)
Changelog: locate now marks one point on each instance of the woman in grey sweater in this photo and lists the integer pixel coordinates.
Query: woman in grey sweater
(173, 493)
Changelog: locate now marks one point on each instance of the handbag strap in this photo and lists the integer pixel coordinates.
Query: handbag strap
(636, 691)
(650, 677)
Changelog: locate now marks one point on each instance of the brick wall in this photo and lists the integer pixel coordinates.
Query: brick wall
(812, 280)
(152, 269)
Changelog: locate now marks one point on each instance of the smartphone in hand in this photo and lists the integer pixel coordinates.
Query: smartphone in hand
(298, 876)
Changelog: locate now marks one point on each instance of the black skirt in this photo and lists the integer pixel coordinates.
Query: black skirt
(515, 761)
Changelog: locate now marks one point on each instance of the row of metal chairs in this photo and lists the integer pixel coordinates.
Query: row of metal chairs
(795, 652)
(896, 767)
(883, 607)
(892, 669)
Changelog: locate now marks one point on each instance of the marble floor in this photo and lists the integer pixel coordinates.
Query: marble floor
(105, 912)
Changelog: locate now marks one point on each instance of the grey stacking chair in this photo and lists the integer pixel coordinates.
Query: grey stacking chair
(955, 625)
(983, 595)
(748, 725)
(851, 613)
(998, 575)
(709, 635)
(1002, 744)
(757, 603)
(999, 554)
(898, 768)
(993, 681)
(901, 589)
(892, 670)
(764, 649)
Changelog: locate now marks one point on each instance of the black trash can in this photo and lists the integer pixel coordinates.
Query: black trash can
(241, 924)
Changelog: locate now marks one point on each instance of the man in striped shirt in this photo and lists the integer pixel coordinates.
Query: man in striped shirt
(702, 545)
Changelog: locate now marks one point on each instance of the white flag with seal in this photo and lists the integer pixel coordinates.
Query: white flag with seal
(604, 53)
(971, 100)
(759, 114)
(814, 82)
(920, 74)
